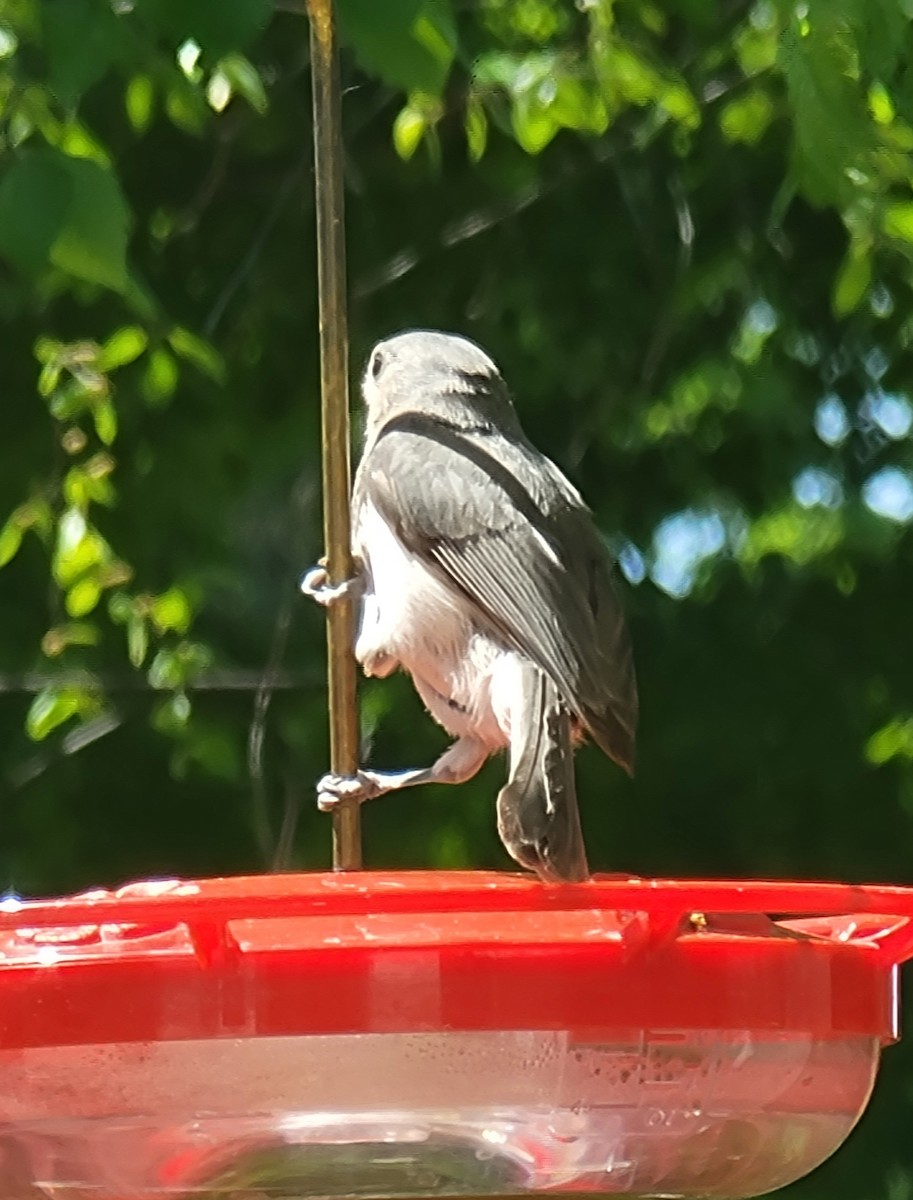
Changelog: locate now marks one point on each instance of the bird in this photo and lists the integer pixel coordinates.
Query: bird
(481, 573)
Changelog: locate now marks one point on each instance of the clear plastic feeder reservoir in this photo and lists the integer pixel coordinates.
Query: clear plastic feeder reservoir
(439, 1034)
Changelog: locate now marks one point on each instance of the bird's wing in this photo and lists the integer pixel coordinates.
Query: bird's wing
(454, 502)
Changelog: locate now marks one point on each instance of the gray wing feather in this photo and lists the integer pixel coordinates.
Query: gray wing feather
(498, 522)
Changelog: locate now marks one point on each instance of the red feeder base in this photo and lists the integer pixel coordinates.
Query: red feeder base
(418, 1034)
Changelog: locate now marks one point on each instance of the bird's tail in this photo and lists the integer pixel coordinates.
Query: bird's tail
(537, 808)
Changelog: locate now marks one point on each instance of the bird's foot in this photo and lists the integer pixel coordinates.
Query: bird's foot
(333, 789)
(316, 584)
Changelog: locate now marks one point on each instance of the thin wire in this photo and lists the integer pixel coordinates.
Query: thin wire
(334, 383)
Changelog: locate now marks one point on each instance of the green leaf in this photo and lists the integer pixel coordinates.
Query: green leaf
(104, 416)
(408, 131)
(35, 197)
(681, 106)
(853, 280)
(121, 607)
(435, 30)
(578, 106)
(92, 244)
(476, 129)
(82, 40)
(47, 349)
(747, 118)
(830, 124)
(54, 705)
(122, 347)
(532, 122)
(409, 44)
(881, 106)
(244, 79)
(218, 25)
(138, 101)
(76, 142)
(897, 221)
(160, 378)
(79, 548)
(10, 541)
(186, 107)
(48, 378)
(76, 488)
(171, 611)
(199, 352)
(74, 633)
(137, 639)
(166, 670)
(894, 740)
(83, 596)
(64, 211)
(171, 716)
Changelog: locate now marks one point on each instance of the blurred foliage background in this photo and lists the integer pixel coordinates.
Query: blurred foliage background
(685, 232)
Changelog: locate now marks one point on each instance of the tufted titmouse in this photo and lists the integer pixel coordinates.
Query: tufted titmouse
(482, 575)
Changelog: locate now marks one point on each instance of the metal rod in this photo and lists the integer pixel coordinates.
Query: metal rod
(334, 385)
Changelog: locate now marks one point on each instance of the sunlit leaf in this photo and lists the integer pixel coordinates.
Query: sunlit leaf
(200, 353)
(83, 597)
(160, 377)
(757, 48)
(104, 416)
(853, 280)
(408, 131)
(897, 221)
(171, 611)
(244, 78)
(10, 541)
(798, 534)
(92, 243)
(533, 123)
(476, 126)
(56, 704)
(166, 670)
(172, 714)
(74, 633)
(77, 142)
(79, 548)
(122, 347)
(138, 101)
(881, 105)
(893, 740)
(137, 639)
(746, 119)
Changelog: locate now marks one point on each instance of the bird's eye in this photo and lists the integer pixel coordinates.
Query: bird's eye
(377, 364)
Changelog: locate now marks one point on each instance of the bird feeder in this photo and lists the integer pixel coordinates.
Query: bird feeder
(419, 1034)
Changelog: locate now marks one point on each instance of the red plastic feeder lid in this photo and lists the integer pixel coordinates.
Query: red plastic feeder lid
(429, 951)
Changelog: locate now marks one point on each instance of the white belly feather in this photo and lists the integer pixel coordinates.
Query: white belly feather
(409, 615)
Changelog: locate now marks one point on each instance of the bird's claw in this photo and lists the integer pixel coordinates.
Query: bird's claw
(316, 584)
(335, 789)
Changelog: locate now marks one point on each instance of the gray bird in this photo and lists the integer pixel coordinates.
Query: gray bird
(483, 576)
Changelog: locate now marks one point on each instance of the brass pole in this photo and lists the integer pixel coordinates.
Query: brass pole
(334, 386)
